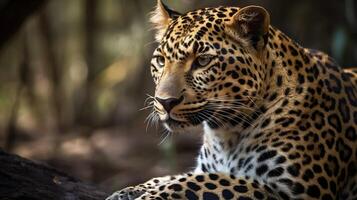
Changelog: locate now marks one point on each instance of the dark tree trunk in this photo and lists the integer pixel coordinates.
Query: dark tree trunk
(25, 179)
(87, 109)
(54, 70)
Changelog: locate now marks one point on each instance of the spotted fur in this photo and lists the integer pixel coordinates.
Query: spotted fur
(279, 121)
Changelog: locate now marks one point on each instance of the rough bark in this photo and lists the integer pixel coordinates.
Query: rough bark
(24, 179)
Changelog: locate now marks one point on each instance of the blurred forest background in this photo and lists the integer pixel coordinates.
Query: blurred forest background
(75, 75)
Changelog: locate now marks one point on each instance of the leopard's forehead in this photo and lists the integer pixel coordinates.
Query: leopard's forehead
(195, 31)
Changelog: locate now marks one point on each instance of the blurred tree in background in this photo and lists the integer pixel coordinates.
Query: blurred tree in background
(74, 78)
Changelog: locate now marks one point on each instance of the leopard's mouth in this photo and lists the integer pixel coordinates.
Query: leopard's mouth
(182, 122)
(174, 125)
(214, 118)
(217, 118)
(182, 117)
(217, 114)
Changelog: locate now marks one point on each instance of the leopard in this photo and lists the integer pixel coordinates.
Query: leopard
(278, 121)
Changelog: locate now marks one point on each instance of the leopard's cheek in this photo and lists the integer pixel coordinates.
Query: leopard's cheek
(155, 73)
(206, 81)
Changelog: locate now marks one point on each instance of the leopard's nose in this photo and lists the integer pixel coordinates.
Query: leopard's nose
(169, 103)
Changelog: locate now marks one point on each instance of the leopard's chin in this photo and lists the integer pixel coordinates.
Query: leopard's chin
(179, 126)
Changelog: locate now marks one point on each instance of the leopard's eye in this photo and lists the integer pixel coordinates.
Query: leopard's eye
(160, 60)
(203, 61)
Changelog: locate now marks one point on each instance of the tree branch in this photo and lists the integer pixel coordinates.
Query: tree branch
(24, 179)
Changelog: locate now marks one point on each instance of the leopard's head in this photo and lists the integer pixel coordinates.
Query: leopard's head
(207, 67)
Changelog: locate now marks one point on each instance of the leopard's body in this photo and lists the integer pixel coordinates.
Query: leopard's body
(279, 121)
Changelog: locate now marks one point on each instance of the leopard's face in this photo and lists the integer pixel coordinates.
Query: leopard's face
(202, 74)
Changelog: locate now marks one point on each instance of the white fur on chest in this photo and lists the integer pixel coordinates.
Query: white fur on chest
(215, 155)
(227, 159)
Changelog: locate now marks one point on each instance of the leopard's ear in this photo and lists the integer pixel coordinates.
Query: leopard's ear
(161, 17)
(250, 24)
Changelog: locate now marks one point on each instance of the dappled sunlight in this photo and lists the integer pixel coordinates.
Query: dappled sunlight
(76, 147)
(115, 73)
